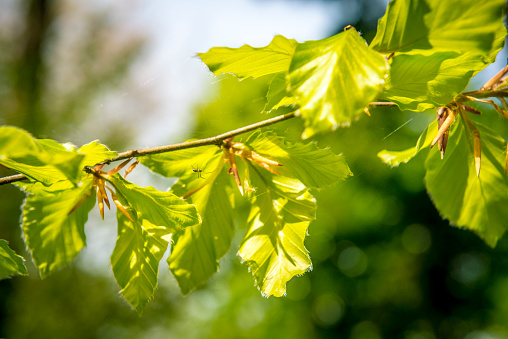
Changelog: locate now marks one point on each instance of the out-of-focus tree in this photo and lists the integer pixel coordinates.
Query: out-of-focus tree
(55, 59)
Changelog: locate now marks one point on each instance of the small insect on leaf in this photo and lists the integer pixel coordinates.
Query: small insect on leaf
(199, 171)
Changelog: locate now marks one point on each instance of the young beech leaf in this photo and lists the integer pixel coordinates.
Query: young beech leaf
(419, 82)
(395, 158)
(95, 152)
(45, 161)
(64, 158)
(53, 236)
(180, 163)
(457, 25)
(159, 208)
(248, 61)
(10, 262)
(277, 95)
(195, 255)
(334, 79)
(314, 167)
(139, 247)
(478, 203)
(273, 247)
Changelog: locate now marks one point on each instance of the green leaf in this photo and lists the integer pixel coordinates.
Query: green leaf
(498, 44)
(314, 167)
(395, 158)
(15, 142)
(159, 208)
(140, 246)
(142, 243)
(248, 61)
(181, 163)
(10, 262)
(334, 79)
(195, 255)
(41, 160)
(460, 26)
(54, 236)
(64, 158)
(277, 95)
(478, 203)
(420, 82)
(95, 152)
(273, 247)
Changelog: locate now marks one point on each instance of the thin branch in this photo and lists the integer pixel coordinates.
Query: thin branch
(480, 94)
(216, 140)
(383, 104)
(11, 179)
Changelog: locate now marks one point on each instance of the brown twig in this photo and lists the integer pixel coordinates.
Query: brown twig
(216, 140)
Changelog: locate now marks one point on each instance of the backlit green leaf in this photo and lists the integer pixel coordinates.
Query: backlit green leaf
(195, 255)
(334, 79)
(248, 61)
(95, 152)
(395, 158)
(139, 247)
(10, 262)
(142, 243)
(54, 236)
(159, 208)
(457, 25)
(478, 203)
(274, 244)
(314, 167)
(277, 95)
(64, 158)
(419, 82)
(45, 161)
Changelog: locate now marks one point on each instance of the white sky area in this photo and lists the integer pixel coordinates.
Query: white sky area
(175, 32)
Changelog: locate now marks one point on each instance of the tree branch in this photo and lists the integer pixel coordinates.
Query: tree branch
(216, 140)
(11, 179)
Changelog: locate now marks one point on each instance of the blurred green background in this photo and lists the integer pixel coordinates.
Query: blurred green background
(385, 265)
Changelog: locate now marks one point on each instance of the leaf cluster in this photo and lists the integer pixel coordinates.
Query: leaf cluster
(422, 57)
